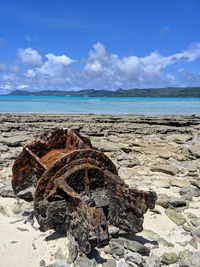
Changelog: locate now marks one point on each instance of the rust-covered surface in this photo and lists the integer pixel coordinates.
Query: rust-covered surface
(78, 190)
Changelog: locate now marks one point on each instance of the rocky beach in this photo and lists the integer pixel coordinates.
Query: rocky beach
(160, 153)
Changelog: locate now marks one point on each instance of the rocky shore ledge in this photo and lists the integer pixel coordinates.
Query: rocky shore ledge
(159, 153)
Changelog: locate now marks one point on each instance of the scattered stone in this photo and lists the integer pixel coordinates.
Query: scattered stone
(113, 231)
(109, 263)
(180, 182)
(168, 169)
(193, 242)
(195, 221)
(170, 201)
(72, 252)
(135, 246)
(196, 233)
(196, 183)
(83, 261)
(22, 229)
(42, 263)
(3, 148)
(175, 216)
(164, 154)
(179, 138)
(189, 259)
(116, 249)
(133, 257)
(129, 163)
(59, 254)
(190, 192)
(60, 263)
(7, 191)
(163, 183)
(27, 193)
(152, 261)
(156, 238)
(169, 258)
(195, 150)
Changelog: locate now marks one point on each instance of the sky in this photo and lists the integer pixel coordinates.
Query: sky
(99, 44)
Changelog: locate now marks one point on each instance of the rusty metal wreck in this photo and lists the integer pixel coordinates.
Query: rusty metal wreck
(78, 189)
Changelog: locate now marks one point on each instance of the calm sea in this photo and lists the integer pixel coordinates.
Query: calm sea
(100, 105)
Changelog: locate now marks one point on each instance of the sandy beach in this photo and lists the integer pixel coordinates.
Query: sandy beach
(151, 153)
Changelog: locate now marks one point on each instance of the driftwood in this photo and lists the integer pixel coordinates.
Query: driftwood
(78, 190)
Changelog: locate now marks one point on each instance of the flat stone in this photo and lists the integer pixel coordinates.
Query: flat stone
(168, 169)
(164, 154)
(83, 261)
(175, 216)
(109, 263)
(189, 259)
(170, 201)
(116, 249)
(196, 183)
(162, 183)
(169, 258)
(27, 193)
(152, 261)
(195, 150)
(196, 233)
(180, 182)
(190, 192)
(129, 163)
(135, 246)
(156, 237)
(133, 257)
(179, 138)
(15, 141)
(3, 148)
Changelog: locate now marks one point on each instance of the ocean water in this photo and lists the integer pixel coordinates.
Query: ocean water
(100, 105)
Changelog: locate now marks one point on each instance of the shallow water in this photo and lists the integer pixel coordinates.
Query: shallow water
(100, 105)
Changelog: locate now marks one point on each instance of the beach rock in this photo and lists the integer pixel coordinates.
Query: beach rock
(83, 261)
(175, 216)
(168, 169)
(195, 151)
(129, 163)
(169, 258)
(113, 231)
(193, 242)
(196, 183)
(189, 259)
(162, 183)
(152, 261)
(133, 257)
(179, 138)
(59, 263)
(15, 141)
(195, 222)
(189, 192)
(27, 193)
(72, 252)
(156, 238)
(7, 191)
(3, 148)
(180, 182)
(170, 201)
(109, 263)
(135, 246)
(164, 154)
(116, 249)
(196, 233)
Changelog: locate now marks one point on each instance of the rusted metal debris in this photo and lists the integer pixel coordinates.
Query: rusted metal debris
(78, 190)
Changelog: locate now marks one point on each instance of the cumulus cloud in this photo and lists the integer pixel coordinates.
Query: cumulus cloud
(102, 70)
(29, 56)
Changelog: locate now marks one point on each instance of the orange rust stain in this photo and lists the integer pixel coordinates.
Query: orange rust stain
(50, 157)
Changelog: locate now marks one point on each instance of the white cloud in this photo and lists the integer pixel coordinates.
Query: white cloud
(103, 70)
(29, 56)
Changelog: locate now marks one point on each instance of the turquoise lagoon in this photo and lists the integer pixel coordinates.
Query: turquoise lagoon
(100, 105)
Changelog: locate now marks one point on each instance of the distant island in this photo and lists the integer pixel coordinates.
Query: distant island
(158, 92)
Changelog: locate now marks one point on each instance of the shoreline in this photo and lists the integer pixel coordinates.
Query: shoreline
(160, 153)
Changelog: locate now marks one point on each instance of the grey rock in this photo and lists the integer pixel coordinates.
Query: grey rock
(135, 246)
(196, 233)
(122, 264)
(109, 263)
(7, 191)
(15, 141)
(152, 261)
(175, 216)
(195, 150)
(42, 263)
(83, 261)
(170, 201)
(129, 163)
(113, 231)
(193, 242)
(180, 182)
(165, 168)
(3, 148)
(72, 252)
(155, 237)
(169, 258)
(189, 259)
(196, 183)
(27, 193)
(133, 257)
(116, 249)
(59, 263)
(189, 192)
(195, 221)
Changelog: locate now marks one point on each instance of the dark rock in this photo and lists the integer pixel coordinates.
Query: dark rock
(169, 258)
(135, 246)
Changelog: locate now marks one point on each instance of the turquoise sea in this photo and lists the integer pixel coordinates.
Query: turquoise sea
(100, 105)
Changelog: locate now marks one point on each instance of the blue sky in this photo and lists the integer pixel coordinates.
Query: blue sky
(71, 45)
